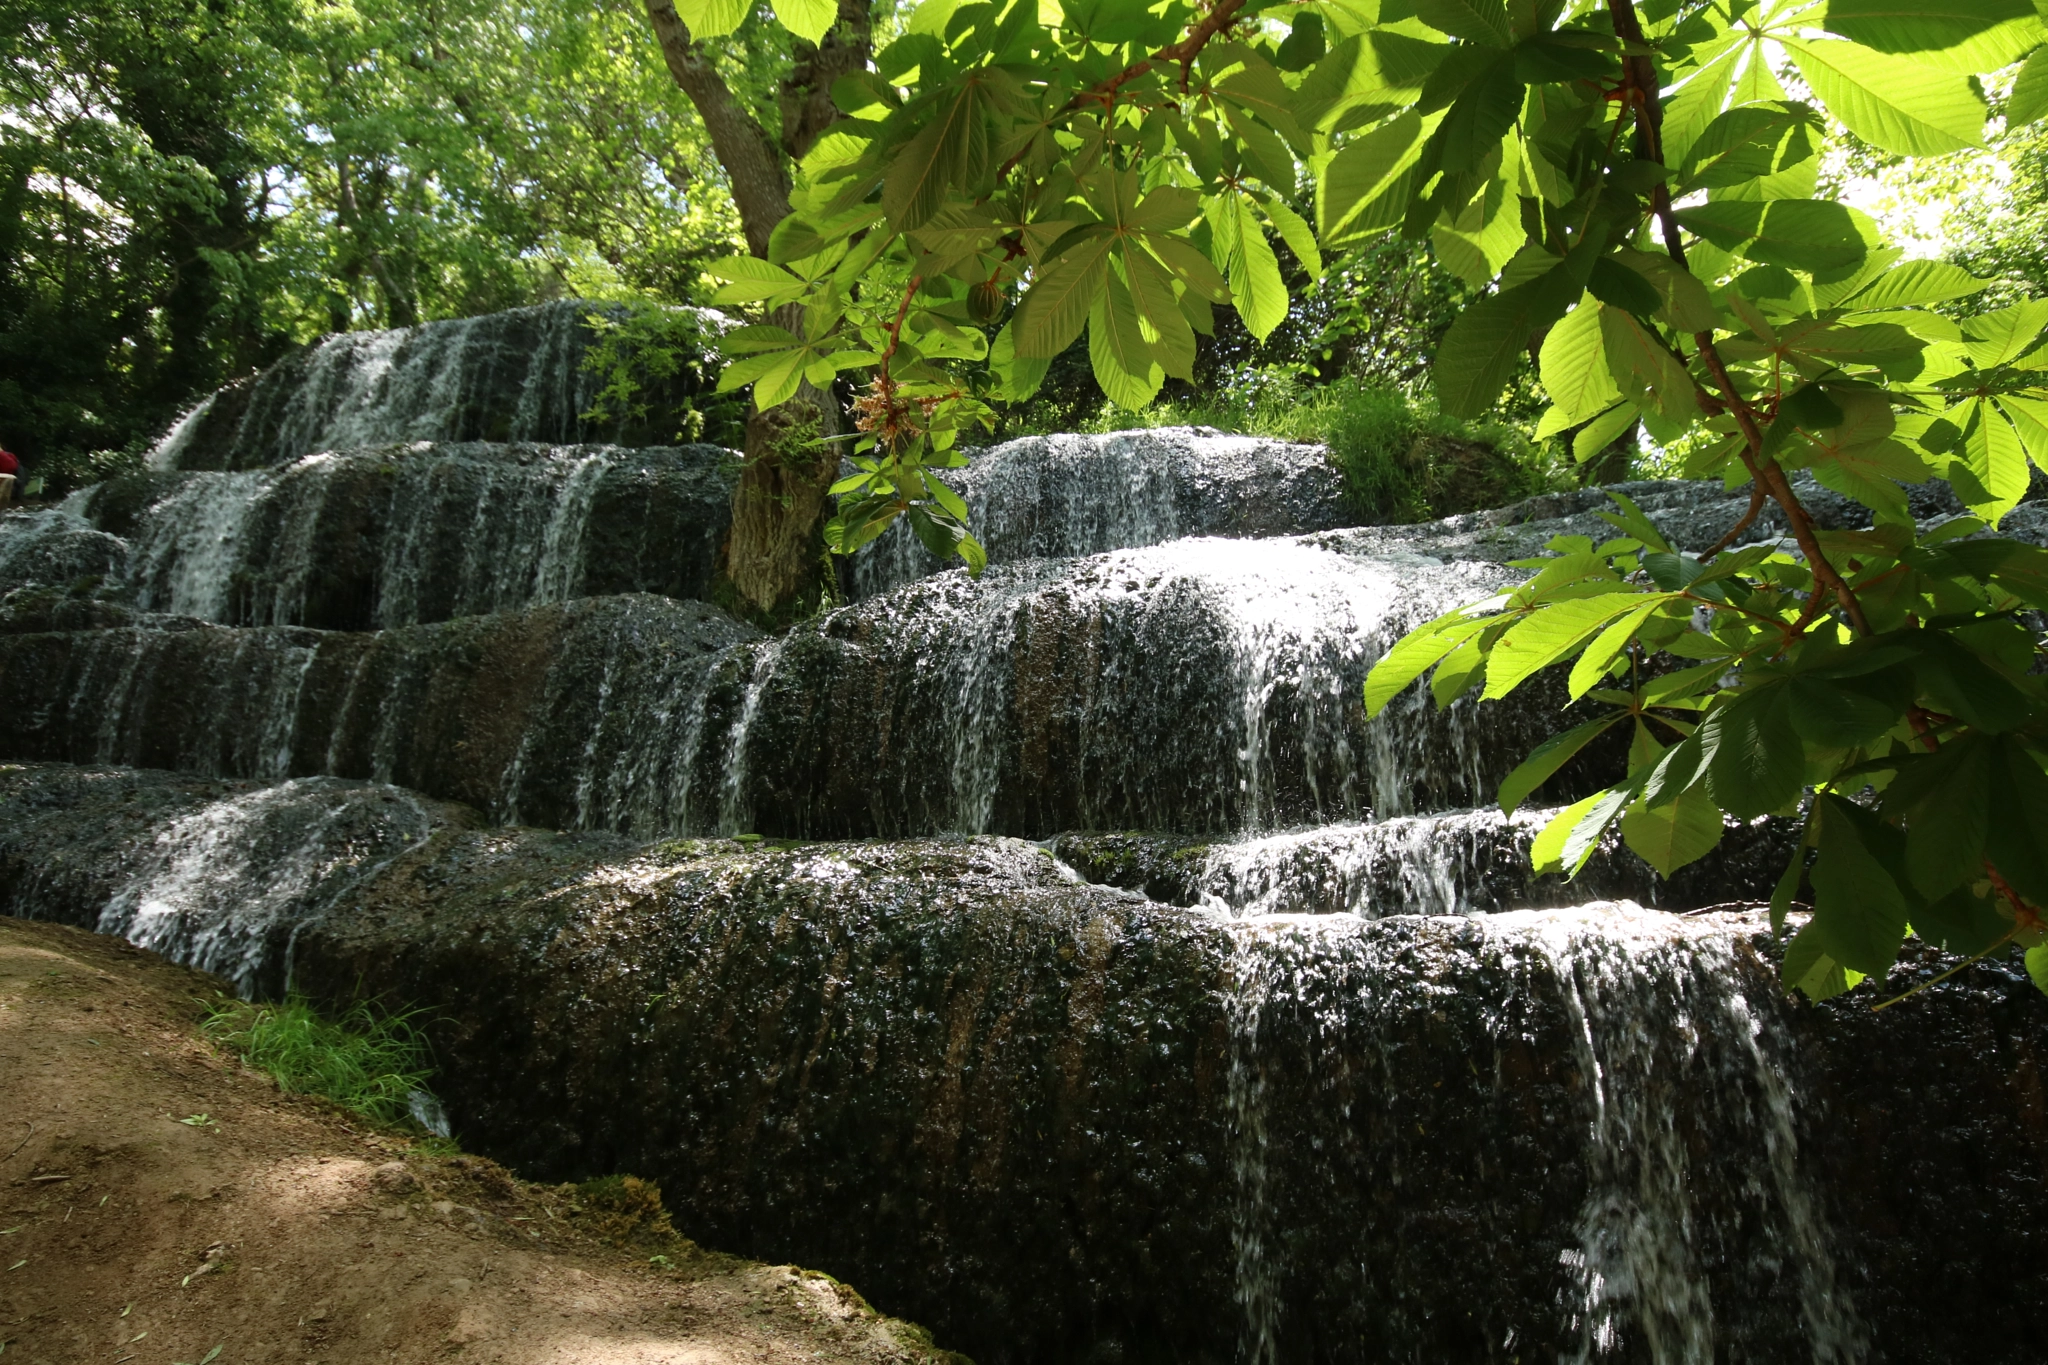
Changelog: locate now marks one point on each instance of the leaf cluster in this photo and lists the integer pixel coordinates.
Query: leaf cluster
(1634, 189)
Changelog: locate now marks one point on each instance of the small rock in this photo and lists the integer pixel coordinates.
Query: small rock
(393, 1178)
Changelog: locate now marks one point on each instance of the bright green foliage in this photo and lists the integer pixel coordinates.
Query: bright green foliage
(1637, 186)
(364, 1060)
(189, 186)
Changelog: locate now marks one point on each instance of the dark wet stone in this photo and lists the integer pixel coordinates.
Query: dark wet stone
(1060, 1123)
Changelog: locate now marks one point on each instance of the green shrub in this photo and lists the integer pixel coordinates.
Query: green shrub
(366, 1060)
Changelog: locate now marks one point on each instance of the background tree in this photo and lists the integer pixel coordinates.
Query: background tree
(772, 553)
(192, 187)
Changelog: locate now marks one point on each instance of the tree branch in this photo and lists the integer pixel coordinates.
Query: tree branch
(1639, 88)
(752, 161)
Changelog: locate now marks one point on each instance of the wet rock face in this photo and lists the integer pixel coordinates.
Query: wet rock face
(1210, 685)
(53, 548)
(511, 376)
(1062, 1123)
(404, 534)
(1455, 863)
(494, 711)
(1063, 496)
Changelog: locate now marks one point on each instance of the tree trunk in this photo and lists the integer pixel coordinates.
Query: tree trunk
(774, 553)
(1613, 461)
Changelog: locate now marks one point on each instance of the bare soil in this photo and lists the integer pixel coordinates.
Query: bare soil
(158, 1200)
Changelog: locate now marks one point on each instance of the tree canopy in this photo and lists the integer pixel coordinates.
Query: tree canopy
(192, 186)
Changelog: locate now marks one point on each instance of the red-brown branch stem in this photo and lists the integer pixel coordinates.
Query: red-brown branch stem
(1639, 76)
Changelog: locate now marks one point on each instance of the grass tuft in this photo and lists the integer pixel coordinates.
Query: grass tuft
(365, 1060)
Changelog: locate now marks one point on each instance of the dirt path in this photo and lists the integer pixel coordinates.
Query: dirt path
(157, 1201)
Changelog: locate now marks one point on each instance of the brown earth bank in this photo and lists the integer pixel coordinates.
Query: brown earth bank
(162, 1204)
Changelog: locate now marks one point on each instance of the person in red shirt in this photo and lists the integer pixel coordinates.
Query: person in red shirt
(10, 470)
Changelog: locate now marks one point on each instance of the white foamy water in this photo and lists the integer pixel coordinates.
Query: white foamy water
(227, 888)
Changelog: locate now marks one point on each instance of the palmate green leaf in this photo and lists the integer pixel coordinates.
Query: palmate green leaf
(2029, 98)
(952, 146)
(712, 18)
(1119, 352)
(1546, 854)
(1859, 910)
(1744, 143)
(2018, 841)
(1295, 231)
(1546, 758)
(1573, 364)
(1927, 27)
(751, 280)
(1685, 305)
(1480, 351)
(1698, 102)
(809, 20)
(1755, 761)
(1916, 283)
(1945, 800)
(1018, 377)
(1248, 262)
(1603, 430)
(1995, 462)
(1808, 967)
(1056, 306)
(1547, 635)
(1265, 155)
(1364, 188)
(2002, 336)
(1895, 103)
(1645, 369)
(1476, 21)
(1802, 234)
(1584, 838)
(1413, 655)
(1675, 833)
(1593, 662)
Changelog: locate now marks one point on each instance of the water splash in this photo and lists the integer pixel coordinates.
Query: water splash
(228, 888)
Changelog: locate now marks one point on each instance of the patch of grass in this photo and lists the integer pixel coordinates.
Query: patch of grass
(625, 1211)
(366, 1060)
(1402, 459)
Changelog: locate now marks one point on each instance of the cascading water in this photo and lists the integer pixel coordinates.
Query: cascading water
(1200, 685)
(1058, 497)
(1064, 1122)
(405, 534)
(1452, 863)
(228, 888)
(1295, 1072)
(512, 376)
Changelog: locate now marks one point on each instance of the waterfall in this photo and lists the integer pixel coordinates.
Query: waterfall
(398, 535)
(1699, 1235)
(509, 377)
(1449, 863)
(1046, 1112)
(55, 547)
(1066, 496)
(228, 888)
(1659, 1022)
(1198, 685)
(192, 544)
